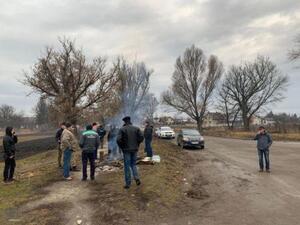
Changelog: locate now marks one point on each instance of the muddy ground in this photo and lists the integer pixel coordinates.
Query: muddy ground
(220, 185)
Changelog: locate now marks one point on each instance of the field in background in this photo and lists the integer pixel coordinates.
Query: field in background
(250, 135)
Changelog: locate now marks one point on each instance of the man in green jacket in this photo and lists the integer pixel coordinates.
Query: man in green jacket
(89, 143)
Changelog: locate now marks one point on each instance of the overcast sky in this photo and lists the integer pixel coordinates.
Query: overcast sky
(153, 31)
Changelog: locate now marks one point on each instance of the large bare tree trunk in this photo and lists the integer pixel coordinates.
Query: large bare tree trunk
(199, 124)
(246, 122)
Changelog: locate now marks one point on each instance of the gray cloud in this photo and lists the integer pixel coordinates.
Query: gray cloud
(153, 31)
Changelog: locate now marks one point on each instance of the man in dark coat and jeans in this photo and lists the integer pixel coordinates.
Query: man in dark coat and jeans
(264, 142)
(129, 138)
(148, 132)
(89, 142)
(9, 141)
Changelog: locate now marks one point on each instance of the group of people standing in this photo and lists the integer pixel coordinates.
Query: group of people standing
(122, 143)
(127, 139)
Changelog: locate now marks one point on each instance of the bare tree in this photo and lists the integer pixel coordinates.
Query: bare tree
(150, 106)
(9, 116)
(71, 83)
(42, 112)
(254, 85)
(134, 81)
(294, 54)
(228, 107)
(194, 81)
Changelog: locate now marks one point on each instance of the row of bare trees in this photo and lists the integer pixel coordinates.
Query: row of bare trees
(244, 90)
(76, 88)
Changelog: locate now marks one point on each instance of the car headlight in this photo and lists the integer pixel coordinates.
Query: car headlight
(185, 139)
(201, 138)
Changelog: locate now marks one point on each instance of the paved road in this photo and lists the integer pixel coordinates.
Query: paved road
(238, 193)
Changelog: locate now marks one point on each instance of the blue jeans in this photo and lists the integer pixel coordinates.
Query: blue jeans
(67, 162)
(130, 166)
(148, 147)
(263, 154)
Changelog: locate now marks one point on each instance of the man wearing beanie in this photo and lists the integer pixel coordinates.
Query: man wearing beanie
(129, 140)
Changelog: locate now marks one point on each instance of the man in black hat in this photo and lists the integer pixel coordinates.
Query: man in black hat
(129, 139)
(264, 142)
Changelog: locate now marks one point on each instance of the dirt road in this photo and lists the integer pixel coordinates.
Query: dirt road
(234, 192)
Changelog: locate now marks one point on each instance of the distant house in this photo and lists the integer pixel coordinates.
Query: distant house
(256, 121)
(214, 119)
(164, 120)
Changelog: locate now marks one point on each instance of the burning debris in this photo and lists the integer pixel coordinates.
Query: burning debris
(107, 166)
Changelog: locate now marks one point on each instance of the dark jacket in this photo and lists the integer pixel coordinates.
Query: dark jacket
(264, 141)
(89, 141)
(129, 138)
(58, 135)
(101, 132)
(9, 141)
(148, 131)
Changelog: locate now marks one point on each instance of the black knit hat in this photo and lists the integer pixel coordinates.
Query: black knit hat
(126, 119)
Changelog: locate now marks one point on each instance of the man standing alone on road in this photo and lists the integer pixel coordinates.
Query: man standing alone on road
(58, 140)
(148, 132)
(264, 142)
(9, 141)
(69, 145)
(89, 142)
(129, 139)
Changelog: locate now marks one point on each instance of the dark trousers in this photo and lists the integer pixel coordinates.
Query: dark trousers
(87, 156)
(148, 147)
(130, 166)
(9, 169)
(263, 155)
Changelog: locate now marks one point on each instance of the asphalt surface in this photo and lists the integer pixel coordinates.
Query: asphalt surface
(227, 173)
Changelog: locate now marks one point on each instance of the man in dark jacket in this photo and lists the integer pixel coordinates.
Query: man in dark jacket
(58, 140)
(264, 142)
(9, 141)
(148, 131)
(101, 132)
(89, 142)
(129, 138)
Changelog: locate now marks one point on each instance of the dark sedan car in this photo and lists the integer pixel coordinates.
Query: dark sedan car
(190, 138)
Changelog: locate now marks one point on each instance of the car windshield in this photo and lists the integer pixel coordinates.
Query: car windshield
(166, 129)
(191, 132)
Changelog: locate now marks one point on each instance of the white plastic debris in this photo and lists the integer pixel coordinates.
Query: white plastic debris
(156, 158)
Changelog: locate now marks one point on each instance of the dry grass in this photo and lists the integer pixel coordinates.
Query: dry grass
(161, 187)
(32, 173)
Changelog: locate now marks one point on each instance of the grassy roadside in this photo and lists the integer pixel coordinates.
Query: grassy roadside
(160, 191)
(32, 173)
(250, 135)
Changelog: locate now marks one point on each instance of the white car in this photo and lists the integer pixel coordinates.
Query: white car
(165, 132)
